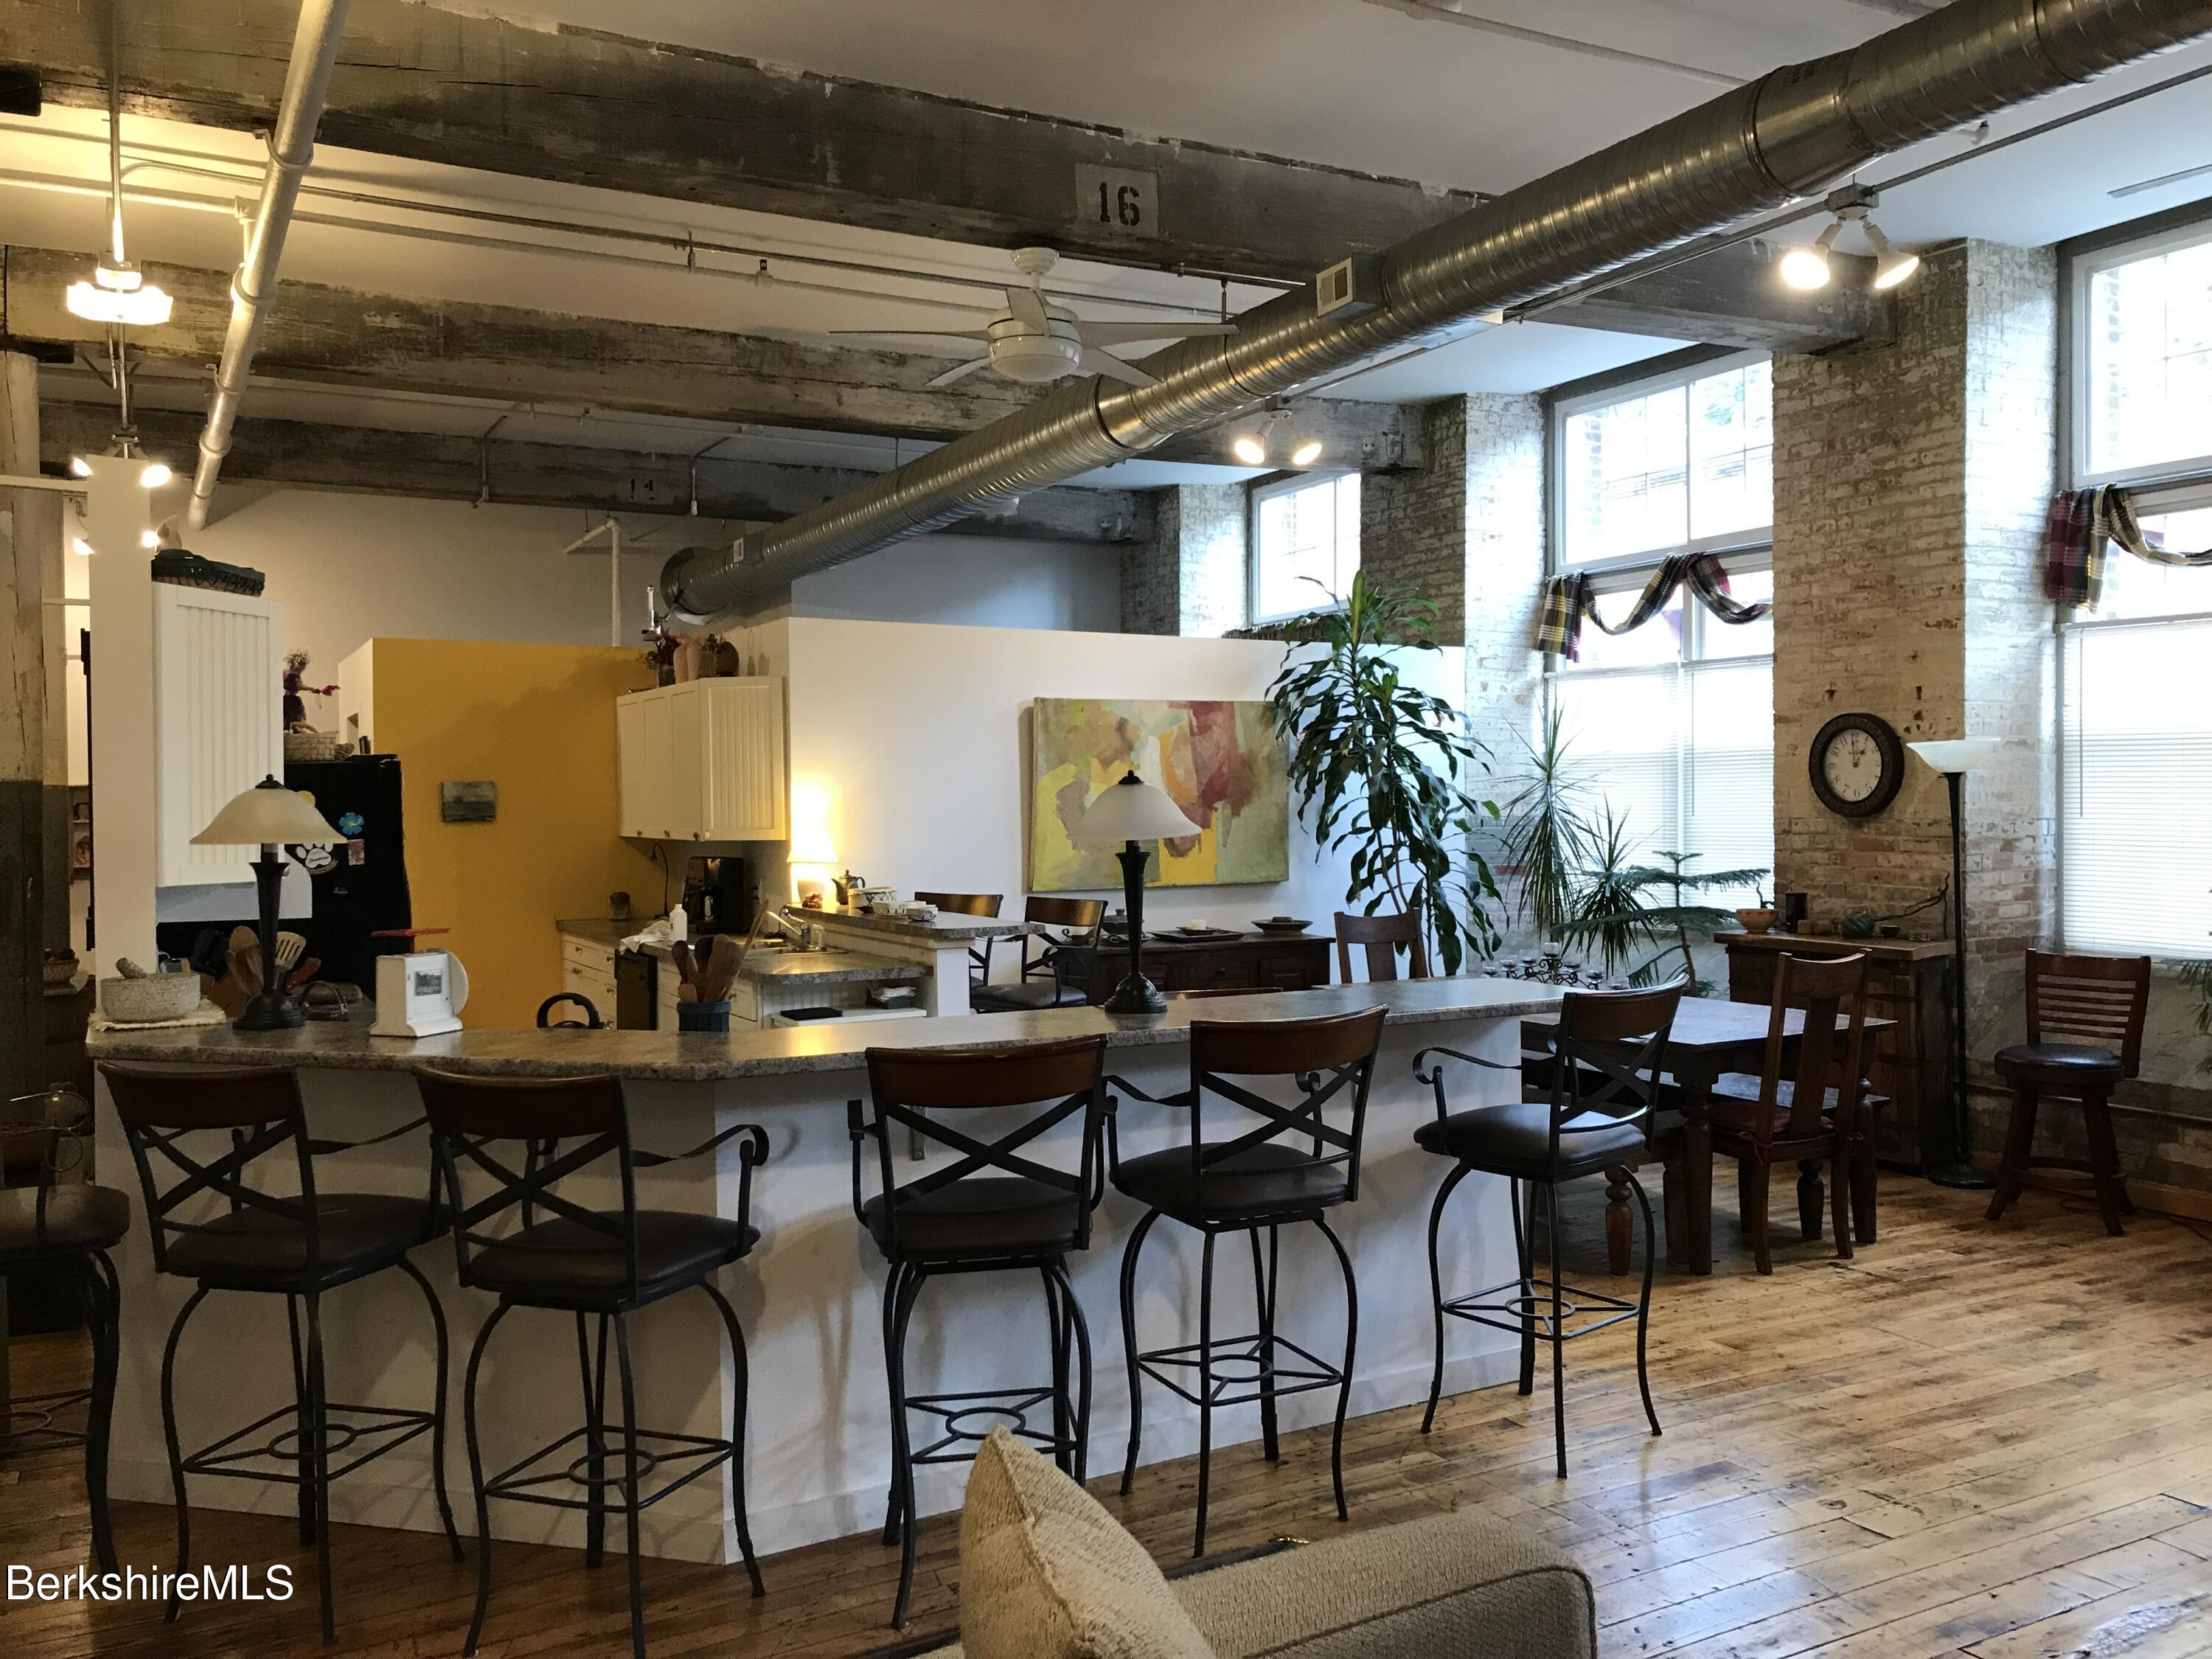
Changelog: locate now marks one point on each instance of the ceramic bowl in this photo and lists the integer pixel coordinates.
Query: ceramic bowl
(154, 997)
(1755, 921)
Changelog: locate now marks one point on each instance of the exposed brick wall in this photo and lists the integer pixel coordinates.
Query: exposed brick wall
(1414, 526)
(1189, 578)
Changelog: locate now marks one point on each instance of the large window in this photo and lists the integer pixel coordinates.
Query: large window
(1305, 545)
(1681, 462)
(2136, 772)
(1672, 724)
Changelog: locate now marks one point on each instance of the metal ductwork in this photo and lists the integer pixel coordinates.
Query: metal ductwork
(291, 148)
(1790, 135)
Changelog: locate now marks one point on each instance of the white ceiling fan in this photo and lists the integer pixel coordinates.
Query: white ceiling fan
(1035, 340)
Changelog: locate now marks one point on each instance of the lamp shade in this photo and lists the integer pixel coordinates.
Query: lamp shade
(1131, 810)
(1959, 754)
(268, 814)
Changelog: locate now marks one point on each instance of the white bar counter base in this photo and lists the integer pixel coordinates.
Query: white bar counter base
(818, 1437)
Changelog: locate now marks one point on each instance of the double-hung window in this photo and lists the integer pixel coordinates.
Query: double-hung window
(1671, 725)
(1305, 543)
(2135, 674)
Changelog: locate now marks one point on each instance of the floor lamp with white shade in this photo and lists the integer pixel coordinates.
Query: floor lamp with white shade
(1953, 1165)
(1132, 812)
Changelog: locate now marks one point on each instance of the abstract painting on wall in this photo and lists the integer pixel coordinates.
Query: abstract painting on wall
(1223, 762)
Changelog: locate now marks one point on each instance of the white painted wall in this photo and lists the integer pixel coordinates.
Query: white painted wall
(974, 580)
(912, 735)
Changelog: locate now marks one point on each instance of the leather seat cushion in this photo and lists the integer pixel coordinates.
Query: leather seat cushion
(2061, 1062)
(78, 1219)
(1515, 1139)
(979, 1215)
(561, 1261)
(1026, 995)
(1263, 1180)
(360, 1233)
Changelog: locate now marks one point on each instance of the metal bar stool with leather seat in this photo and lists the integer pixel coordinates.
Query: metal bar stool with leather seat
(1586, 1113)
(594, 1264)
(2085, 1034)
(68, 1229)
(985, 905)
(994, 1208)
(300, 1247)
(1758, 1122)
(1251, 1182)
(1043, 983)
(1380, 936)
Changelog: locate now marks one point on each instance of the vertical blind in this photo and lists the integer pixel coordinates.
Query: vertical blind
(2136, 871)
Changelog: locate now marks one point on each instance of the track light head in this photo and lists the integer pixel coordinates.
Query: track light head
(1891, 264)
(1806, 268)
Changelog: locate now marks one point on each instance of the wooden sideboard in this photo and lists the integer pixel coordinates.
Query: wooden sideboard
(1249, 962)
(1907, 980)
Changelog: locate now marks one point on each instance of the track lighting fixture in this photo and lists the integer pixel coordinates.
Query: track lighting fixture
(155, 475)
(1278, 434)
(1807, 268)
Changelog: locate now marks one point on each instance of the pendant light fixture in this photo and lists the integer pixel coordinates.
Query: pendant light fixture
(1807, 269)
(119, 292)
(1278, 436)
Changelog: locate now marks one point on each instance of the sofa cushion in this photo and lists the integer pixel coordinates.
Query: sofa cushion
(1046, 1573)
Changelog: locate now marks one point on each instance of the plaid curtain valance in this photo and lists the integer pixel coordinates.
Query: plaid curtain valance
(1569, 601)
(2079, 535)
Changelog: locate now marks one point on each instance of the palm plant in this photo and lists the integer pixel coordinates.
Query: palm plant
(1608, 907)
(1636, 919)
(1376, 763)
(1545, 836)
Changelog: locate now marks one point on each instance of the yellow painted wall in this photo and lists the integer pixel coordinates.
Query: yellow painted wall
(539, 721)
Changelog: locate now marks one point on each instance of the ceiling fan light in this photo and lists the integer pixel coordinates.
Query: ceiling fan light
(1248, 448)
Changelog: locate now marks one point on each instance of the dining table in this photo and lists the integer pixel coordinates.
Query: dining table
(1712, 1037)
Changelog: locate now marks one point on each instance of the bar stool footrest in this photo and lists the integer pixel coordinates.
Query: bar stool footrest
(1260, 1354)
(656, 1450)
(29, 1420)
(1511, 1308)
(378, 1429)
(1007, 1407)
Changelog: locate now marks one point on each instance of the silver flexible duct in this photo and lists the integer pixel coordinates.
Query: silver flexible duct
(291, 148)
(1792, 134)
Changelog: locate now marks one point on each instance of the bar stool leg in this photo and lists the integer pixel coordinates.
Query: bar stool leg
(629, 1489)
(1263, 1292)
(910, 1288)
(1644, 1302)
(892, 1373)
(299, 1439)
(595, 1445)
(100, 1317)
(1205, 1384)
(1130, 1345)
(1063, 1408)
(1350, 1347)
(1437, 1286)
(2019, 1147)
(438, 1406)
(476, 1476)
(2104, 1165)
(1524, 1245)
(1559, 1346)
(740, 1393)
(1082, 1334)
(319, 1412)
(169, 1434)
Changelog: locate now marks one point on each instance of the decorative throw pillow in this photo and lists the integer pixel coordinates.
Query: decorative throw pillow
(1046, 1573)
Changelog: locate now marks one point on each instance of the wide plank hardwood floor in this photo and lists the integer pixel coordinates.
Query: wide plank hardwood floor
(1970, 1440)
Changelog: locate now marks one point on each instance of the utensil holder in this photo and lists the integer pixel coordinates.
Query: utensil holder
(702, 1016)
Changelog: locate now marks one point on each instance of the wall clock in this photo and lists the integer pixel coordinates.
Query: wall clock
(1857, 765)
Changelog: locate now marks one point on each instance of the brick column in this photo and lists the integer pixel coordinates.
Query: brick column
(1190, 577)
(1910, 484)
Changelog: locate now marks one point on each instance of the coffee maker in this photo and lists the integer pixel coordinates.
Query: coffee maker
(717, 898)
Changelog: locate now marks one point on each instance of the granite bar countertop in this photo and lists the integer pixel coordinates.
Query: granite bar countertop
(710, 1057)
(944, 928)
(769, 962)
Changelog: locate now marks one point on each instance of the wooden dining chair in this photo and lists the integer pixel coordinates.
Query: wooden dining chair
(2085, 1032)
(1049, 977)
(1380, 936)
(964, 904)
(1809, 1117)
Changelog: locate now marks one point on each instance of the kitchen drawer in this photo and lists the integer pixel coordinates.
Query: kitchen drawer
(587, 954)
(1214, 971)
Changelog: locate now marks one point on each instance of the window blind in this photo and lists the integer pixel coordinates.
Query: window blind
(2136, 867)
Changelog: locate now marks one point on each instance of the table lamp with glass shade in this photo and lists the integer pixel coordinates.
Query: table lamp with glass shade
(1133, 812)
(271, 816)
(1955, 757)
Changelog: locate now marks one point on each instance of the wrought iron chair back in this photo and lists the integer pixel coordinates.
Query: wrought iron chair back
(1609, 1047)
(1325, 1058)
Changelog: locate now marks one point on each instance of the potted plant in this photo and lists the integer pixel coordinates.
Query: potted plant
(1545, 839)
(1612, 906)
(1376, 765)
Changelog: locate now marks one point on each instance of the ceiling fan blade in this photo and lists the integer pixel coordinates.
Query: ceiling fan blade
(961, 371)
(913, 333)
(1107, 334)
(1105, 362)
(1028, 309)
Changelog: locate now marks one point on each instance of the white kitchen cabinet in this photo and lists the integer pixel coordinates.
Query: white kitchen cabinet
(218, 722)
(702, 761)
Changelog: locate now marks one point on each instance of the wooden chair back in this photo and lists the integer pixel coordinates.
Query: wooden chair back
(1380, 936)
(1081, 914)
(256, 1109)
(2098, 1000)
(1825, 989)
(1606, 1053)
(964, 904)
(1325, 1060)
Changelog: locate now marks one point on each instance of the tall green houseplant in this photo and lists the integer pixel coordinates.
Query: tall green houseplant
(1377, 764)
(1547, 839)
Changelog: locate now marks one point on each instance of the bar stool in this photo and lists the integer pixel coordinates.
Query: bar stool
(1588, 1114)
(69, 1230)
(300, 1247)
(609, 1263)
(994, 1208)
(1044, 981)
(2085, 1032)
(1251, 1183)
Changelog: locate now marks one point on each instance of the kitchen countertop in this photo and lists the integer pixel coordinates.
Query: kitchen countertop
(786, 967)
(944, 928)
(707, 1057)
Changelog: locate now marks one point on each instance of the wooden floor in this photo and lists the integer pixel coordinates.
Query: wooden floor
(1992, 1441)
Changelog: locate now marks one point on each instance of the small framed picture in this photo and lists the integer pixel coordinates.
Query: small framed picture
(468, 803)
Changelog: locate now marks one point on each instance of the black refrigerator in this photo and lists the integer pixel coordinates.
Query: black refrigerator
(360, 884)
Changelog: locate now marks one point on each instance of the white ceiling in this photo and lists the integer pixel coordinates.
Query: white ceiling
(1404, 87)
